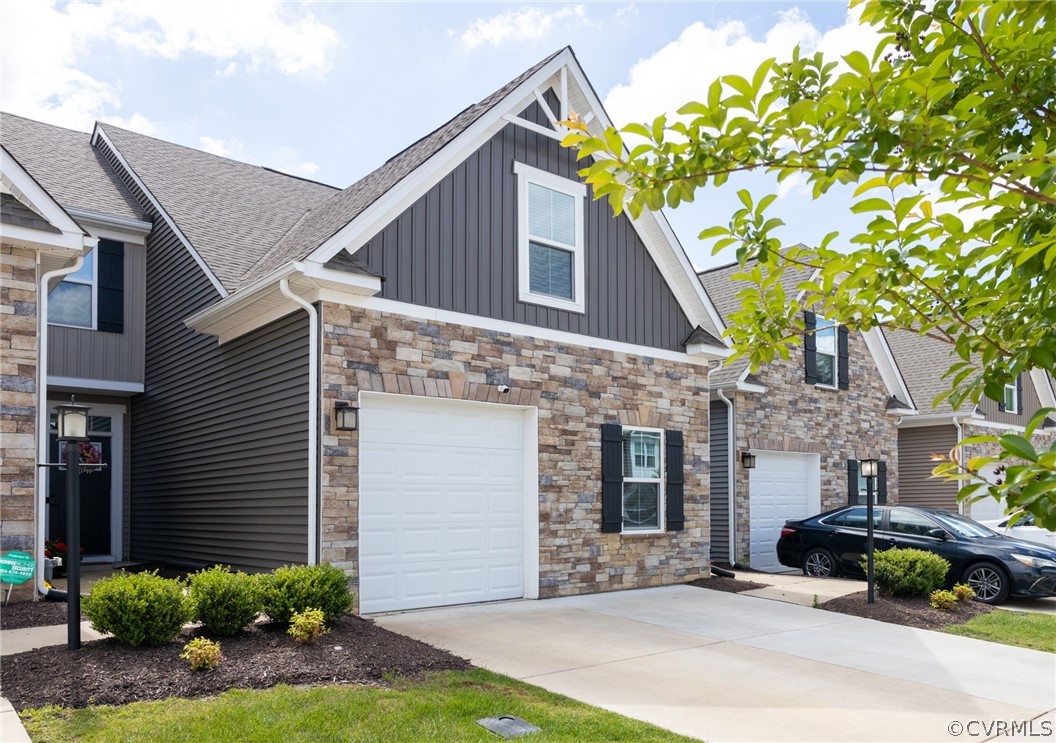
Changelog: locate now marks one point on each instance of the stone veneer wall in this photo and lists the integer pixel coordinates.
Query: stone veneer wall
(18, 403)
(576, 389)
(839, 425)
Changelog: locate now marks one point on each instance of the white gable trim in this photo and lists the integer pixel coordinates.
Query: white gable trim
(25, 188)
(1045, 392)
(885, 363)
(99, 134)
(653, 229)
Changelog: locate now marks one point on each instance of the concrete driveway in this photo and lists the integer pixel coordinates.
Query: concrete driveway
(728, 667)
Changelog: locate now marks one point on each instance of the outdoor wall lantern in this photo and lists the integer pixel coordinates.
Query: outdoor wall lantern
(870, 469)
(747, 460)
(72, 421)
(72, 426)
(346, 416)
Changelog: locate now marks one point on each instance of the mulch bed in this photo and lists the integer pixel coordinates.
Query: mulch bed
(911, 612)
(729, 585)
(106, 672)
(24, 614)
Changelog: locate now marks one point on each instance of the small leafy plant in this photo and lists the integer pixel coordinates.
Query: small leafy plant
(138, 608)
(307, 626)
(964, 592)
(224, 601)
(943, 600)
(202, 654)
(909, 572)
(295, 588)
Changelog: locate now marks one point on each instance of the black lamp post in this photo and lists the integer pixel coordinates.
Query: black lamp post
(72, 424)
(869, 468)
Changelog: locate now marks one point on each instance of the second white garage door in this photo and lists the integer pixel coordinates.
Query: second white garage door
(442, 507)
(782, 486)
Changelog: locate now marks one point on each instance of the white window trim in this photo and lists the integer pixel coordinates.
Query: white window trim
(95, 296)
(1014, 388)
(661, 481)
(527, 174)
(835, 354)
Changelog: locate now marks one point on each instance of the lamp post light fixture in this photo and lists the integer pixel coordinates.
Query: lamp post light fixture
(747, 460)
(870, 469)
(346, 416)
(72, 426)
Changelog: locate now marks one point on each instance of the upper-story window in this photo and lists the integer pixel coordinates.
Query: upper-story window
(1012, 396)
(826, 352)
(825, 369)
(72, 301)
(550, 239)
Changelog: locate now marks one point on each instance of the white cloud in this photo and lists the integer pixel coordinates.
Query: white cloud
(231, 148)
(526, 24)
(683, 70)
(289, 161)
(43, 46)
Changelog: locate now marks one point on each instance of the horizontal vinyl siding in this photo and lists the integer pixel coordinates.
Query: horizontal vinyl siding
(92, 354)
(456, 249)
(915, 486)
(219, 456)
(720, 474)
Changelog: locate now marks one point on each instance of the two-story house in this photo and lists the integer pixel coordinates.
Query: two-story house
(460, 378)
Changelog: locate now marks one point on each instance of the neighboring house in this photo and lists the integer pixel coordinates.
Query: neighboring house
(459, 379)
(807, 420)
(936, 429)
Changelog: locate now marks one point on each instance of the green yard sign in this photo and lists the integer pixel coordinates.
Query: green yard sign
(16, 567)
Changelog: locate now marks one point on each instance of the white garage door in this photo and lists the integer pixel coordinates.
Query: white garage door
(441, 509)
(782, 486)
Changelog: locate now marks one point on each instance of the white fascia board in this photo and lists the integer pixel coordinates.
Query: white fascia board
(391, 204)
(23, 184)
(1045, 392)
(100, 134)
(707, 350)
(121, 229)
(886, 364)
(919, 420)
(532, 332)
(93, 385)
(27, 237)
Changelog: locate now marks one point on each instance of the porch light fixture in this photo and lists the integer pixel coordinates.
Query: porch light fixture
(72, 426)
(346, 416)
(747, 460)
(72, 421)
(869, 469)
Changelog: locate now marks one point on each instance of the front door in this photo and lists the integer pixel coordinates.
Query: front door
(96, 486)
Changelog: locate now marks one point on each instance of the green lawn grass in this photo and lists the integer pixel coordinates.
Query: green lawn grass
(442, 707)
(1024, 629)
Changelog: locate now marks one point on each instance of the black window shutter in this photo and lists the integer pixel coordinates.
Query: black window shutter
(853, 496)
(611, 478)
(111, 289)
(881, 482)
(810, 347)
(676, 478)
(1019, 394)
(842, 359)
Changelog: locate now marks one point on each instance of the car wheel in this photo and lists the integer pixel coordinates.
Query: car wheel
(989, 582)
(819, 563)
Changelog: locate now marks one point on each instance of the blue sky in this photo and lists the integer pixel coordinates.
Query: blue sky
(331, 90)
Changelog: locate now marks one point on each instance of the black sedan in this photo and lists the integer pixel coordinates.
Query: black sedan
(995, 566)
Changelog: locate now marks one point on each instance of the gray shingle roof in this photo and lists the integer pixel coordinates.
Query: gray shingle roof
(723, 288)
(17, 214)
(66, 165)
(922, 361)
(329, 218)
(230, 211)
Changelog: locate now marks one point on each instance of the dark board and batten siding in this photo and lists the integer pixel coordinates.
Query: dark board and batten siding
(456, 249)
(1030, 404)
(720, 478)
(219, 468)
(92, 354)
(915, 484)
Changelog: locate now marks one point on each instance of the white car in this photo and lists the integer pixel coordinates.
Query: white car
(1023, 529)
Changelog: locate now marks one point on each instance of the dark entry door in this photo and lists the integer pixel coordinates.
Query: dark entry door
(95, 499)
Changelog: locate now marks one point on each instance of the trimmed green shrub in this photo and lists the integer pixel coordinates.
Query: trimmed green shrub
(964, 592)
(943, 600)
(307, 625)
(295, 588)
(138, 608)
(225, 602)
(909, 572)
(202, 654)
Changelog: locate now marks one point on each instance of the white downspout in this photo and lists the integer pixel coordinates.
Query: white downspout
(42, 412)
(313, 419)
(960, 453)
(731, 481)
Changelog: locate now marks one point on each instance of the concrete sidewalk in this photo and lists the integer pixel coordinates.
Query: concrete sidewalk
(730, 667)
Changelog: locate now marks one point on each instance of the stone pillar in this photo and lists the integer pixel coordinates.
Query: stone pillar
(18, 402)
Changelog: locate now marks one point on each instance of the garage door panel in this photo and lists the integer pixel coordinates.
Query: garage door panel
(441, 504)
(782, 487)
